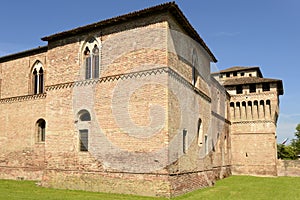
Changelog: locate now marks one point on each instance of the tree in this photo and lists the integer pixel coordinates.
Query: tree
(286, 152)
(296, 142)
(290, 151)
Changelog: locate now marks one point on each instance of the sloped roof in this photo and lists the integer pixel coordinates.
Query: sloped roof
(25, 53)
(251, 80)
(170, 7)
(240, 68)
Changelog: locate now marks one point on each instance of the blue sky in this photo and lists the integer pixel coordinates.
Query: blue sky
(263, 33)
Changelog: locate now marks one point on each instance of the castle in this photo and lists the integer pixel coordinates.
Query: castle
(129, 105)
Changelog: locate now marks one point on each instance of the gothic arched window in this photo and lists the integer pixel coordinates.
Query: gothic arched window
(91, 59)
(38, 78)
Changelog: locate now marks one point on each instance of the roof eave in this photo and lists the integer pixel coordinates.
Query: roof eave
(170, 7)
(40, 49)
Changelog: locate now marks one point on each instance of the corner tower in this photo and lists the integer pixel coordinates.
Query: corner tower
(254, 109)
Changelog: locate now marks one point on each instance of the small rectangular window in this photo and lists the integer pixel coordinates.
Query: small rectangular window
(227, 74)
(252, 88)
(83, 140)
(242, 74)
(234, 73)
(239, 89)
(266, 87)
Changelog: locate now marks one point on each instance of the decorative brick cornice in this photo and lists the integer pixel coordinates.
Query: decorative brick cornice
(253, 122)
(131, 75)
(125, 76)
(266, 93)
(23, 98)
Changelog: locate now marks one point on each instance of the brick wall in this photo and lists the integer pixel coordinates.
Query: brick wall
(21, 154)
(139, 107)
(288, 167)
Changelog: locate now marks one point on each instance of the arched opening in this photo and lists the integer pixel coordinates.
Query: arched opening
(262, 109)
(249, 110)
(268, 109)
(238, 110)
(244, 111)
(255, 110)
(232, 110)
(84, 115)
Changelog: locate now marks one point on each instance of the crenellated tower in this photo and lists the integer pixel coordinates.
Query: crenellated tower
(254, 109)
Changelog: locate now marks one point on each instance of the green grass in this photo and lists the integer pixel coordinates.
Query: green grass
(234, 187)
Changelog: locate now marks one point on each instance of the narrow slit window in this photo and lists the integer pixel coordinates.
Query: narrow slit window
(41, 81)
(194, 65)
(35, 82)
(200, 132)
(88, 63)
(41, 130)
(184, 141)
(206, 143)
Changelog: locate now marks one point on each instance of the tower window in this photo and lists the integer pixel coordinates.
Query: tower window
(252, 88)
(266, 87)
(239, 89)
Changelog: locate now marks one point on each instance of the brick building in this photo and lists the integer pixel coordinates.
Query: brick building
(129, 105)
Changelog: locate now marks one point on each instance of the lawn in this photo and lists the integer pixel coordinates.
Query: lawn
(234, 187)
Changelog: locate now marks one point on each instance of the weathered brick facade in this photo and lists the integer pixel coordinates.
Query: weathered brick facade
(142, 115)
